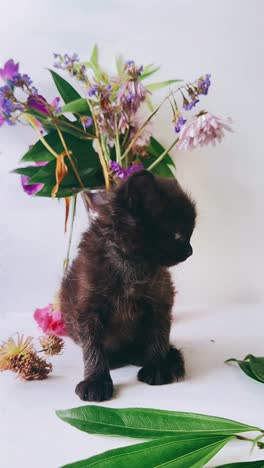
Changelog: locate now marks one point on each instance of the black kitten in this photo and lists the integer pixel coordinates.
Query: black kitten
(117, 296)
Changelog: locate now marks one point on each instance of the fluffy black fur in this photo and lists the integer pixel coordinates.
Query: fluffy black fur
(117, 296)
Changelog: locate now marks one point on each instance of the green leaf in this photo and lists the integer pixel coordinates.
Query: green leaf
(84, 155)
(253, 464)
(245, 367)
(257, 366)
(66, 90)
(147, 423)
(161, 84)
(79, 106)
(154, 150)
(166, 451)
(94, 55)
(39, 152)
(146, 73)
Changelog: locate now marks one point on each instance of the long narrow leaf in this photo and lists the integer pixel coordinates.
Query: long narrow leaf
(148, 73)
(167, 451)
(147, 423)
(79, 106)
(161, 84)
(66, 90)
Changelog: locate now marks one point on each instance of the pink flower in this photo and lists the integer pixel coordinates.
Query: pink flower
(10, 68)
(202, 130)
(2, 120)
(50, 321)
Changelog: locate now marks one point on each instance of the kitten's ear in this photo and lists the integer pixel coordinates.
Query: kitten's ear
(140, 191)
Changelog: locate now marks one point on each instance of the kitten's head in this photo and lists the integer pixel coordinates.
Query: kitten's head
(154, 219)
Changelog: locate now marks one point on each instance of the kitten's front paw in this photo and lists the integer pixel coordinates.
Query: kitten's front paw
(169, 369)
(155, 375)
(99, 389)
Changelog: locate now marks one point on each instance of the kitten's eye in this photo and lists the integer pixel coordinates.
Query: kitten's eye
(177, 236)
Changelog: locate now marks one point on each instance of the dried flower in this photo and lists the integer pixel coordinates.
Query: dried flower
(86, 121)
(12, 348)
(51, 344)
(188, 105)
(50, 320)
(203, 84)
(9, 69)
(130, 96)
(32, 367)
(203, 129)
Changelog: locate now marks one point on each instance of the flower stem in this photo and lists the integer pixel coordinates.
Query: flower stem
(117, 143)
(100, 150)
(72, 162)
(140, 130)
(157, 161)
(67, 259)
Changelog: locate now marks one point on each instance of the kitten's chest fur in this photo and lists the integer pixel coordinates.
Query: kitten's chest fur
(133, 293)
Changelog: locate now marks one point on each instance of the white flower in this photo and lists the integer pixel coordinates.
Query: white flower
(202, 130)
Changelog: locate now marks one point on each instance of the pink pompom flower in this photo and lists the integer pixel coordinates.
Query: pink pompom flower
(50, 321)
(202, 130)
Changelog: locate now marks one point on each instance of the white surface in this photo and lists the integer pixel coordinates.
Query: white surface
(33, 437)
(188, 38)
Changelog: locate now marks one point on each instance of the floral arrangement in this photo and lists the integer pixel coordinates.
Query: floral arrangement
(94, 137)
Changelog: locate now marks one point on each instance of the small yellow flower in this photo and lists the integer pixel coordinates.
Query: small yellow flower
(12, 348)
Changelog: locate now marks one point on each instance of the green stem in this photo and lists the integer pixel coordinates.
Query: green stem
(67, 259)
(100, 150)
(157, 161)
(117, 143)
(74, 168)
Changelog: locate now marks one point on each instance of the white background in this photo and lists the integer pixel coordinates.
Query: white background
(188, 38)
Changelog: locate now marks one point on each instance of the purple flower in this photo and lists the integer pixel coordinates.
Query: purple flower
(33, 188)
(204, 84)
(123, 173)
(129, 63)
(179, 123)
(7, 106)
(9, 69)
(65, 62)
(133, 70)
(131, 95)
(188, 105)
(93, 90)
(134, 168)
(5, 92)
(38, 102)
(55, 105)
(20, 81)
(88, 122)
